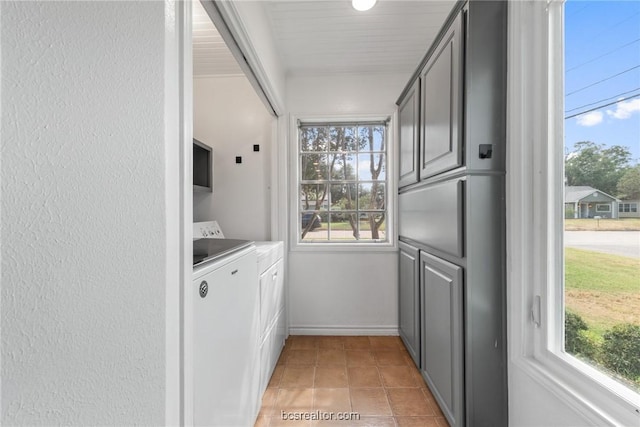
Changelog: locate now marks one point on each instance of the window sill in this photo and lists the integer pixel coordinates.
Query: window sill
(344, 247)
(587, 391)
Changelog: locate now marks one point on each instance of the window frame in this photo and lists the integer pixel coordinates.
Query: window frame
(630, 207)
(296, 244)
(535, 217)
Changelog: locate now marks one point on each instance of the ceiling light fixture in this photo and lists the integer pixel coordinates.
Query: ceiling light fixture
(362, 5)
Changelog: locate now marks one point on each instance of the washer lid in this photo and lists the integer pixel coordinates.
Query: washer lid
(210, 249)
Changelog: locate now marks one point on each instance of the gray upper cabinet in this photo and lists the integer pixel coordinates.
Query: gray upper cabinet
(409, 124)
(442, 334)
(441, 138)
(409, 299)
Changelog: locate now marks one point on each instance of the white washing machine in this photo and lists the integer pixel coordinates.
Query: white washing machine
(225, 325)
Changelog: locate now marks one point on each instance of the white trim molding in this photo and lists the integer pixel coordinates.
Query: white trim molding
(346, 330)
(178, 207)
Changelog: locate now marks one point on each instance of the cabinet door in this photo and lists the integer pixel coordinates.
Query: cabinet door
(441, 138)
(409, 119)
(409, 300)
(442, 334)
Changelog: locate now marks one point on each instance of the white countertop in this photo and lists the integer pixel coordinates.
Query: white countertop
(268, 254)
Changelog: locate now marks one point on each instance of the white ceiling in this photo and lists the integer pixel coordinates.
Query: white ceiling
(211, 57)
(328, 36)
(332, 37)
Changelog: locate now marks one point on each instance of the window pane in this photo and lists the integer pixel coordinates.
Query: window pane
(344, 227)
(371, 166)
(313, 197)
(343, 139)
(372, 226)
(371, 138)
(344, 166)
(314, 139)
(601, 254)
(343, 197)
(314, 167)
(371, 196)
(313, 226)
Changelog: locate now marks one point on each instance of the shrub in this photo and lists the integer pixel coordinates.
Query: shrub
(576, 338)
(621, 350)
(569, 212)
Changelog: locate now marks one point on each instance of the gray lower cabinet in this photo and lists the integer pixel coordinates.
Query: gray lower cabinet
(409, 299)
(441, 287)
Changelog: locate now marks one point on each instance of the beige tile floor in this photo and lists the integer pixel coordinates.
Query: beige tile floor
(373, 377)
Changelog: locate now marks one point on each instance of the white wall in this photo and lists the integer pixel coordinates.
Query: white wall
(249, 25)
(82, 213)
(229, 117)
(343, 292)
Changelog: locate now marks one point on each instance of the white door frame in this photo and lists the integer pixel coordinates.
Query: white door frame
(178, 209)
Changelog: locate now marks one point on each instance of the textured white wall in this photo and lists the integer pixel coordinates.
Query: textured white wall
(82, 213)
(229, 117)
(343, 292)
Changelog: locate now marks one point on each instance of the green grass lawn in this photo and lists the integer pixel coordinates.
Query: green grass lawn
(623, 224)
(364, 225)
(603, 289)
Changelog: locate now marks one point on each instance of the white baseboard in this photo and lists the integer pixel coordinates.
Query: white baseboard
(343, 330)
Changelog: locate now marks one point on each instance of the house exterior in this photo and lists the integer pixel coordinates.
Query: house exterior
(588, 202)
(628, 209)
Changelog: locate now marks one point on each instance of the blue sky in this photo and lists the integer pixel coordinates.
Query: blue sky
(602, 66)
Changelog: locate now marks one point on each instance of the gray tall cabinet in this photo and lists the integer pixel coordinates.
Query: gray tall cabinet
(452, 137)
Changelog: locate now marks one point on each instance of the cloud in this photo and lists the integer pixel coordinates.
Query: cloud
(624, 109)
(590, 119)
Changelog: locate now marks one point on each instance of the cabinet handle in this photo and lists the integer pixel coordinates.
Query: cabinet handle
(234, 272)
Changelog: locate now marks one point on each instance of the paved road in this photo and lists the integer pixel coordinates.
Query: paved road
(626, 243)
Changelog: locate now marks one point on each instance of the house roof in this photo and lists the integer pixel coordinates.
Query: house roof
(574, 194)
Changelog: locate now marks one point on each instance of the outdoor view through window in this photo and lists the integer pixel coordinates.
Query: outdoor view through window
(343, 190)
(602, 186)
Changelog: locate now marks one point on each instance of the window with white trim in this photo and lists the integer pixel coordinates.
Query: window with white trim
(628, 207)
(601, 292)
(342, 182)
(536, 237)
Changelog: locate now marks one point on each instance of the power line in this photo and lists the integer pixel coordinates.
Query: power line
(602, 56)
(603, 80)
(617, 24)
(602, 106)
(602, 100)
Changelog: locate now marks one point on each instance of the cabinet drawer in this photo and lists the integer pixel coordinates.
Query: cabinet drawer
(433, 215)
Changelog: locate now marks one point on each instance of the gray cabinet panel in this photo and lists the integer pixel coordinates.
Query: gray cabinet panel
(433, 215)
(440, 148)
(409, 299)
(408, 118)
(442, 334)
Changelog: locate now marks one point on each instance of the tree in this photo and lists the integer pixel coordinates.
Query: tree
(376, 199)
(594, 165)
(629, 184)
